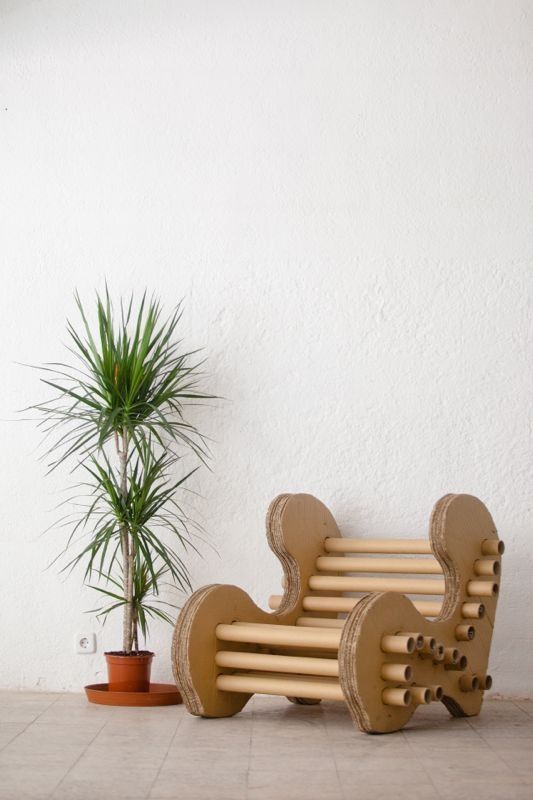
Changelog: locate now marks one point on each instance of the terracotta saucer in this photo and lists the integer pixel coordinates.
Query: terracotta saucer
(159, 694)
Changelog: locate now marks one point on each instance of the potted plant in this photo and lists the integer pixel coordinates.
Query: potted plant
(117, 413)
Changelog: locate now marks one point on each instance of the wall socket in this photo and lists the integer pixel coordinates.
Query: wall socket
(85, 643)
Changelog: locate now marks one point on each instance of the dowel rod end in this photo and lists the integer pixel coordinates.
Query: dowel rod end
(396, 697)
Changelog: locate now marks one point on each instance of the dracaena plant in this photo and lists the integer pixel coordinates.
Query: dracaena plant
(117, 412)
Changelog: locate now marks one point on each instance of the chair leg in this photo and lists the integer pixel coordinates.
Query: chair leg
(195, 645)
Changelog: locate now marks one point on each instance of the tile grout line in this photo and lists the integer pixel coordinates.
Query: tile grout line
(497, 753)
(421, 763)
(78, 759)
(167, 751)
(516, 704)
(334, 758)
(29, 724)
(249, 764)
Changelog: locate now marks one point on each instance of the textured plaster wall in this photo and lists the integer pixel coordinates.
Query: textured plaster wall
(342, 194)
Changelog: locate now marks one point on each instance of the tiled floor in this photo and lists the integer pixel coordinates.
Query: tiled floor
(61, 747)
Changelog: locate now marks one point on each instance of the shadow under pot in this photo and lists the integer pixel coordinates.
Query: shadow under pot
(129, 673)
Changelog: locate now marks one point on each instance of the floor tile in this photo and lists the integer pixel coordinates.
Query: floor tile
(293, 784)
(203, 782)
(24, 709)
(485, 790)
(118, 782)
(8, 731)
(25, 782)
(422, 791)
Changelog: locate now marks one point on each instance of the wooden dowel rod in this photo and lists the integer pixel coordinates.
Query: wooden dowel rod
(334, 583)
(436, 692)
(391, 546)
(438, 652)
(487, 567)
(429, 646)
(469, 683)
(451, 656)
(313, 688)
(430, 608)
(264, 662)
(465, 633)
(396, 697)
(336, 604)
(482, 588)
(419, 639)
(310, 603)
(491, 547)
(485, 682)
(473, 610)
(454, 660)
(421, 695)
(397, 672)
(319, 622)
(414, 566)
(288, 635)
(459, 664)
(398, 644)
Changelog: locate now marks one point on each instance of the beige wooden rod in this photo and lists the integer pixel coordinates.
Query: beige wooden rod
(436, 692)
(482, 588)
(460, 665)
(487, 567)
(398, 644)
(473, 611)
(419, 639)
(429, 646)
(421, 695)
(334, 583)
(465, 633)
(320, 622)
(397, 672)
(485, 681)
(491, 547)
(469, 683)
(313, 688)
(288, 635)
(400, 546)
(270, 663)
(396, 697)
(430, 608)
(415, 566)
(438, 652)
(451, 656)
(336, 604)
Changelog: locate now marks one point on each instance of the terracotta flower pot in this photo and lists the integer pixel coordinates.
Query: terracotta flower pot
(129, 673)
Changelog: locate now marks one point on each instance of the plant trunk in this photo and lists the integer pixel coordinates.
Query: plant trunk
(135, 631)
(127, 550)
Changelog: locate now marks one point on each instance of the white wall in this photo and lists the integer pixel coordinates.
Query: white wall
(341, 191)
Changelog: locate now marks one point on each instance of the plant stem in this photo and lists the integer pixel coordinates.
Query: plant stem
(135, 632)
(127, 547)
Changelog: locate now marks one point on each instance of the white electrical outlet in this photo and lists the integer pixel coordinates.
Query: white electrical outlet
(85, 643)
